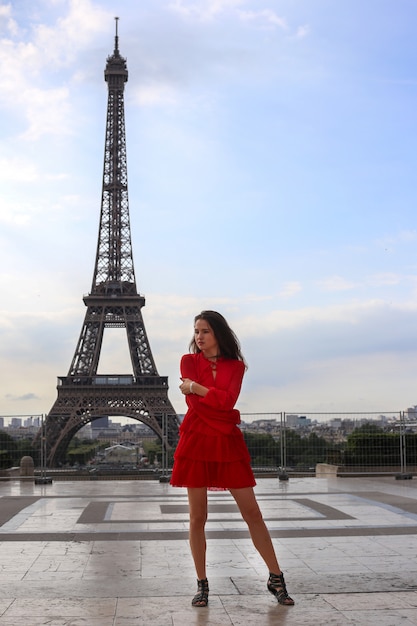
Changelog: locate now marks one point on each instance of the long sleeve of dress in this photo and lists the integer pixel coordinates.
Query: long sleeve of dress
(223, 391)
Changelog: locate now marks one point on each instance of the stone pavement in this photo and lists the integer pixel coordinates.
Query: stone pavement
(115, 553)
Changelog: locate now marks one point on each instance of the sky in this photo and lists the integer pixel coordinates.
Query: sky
(271, 149)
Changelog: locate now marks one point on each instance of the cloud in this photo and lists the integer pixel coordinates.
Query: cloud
(331, 359)
(401, 237)
(24, 398)
(290, 289)
(335, 283)
(208, 10)
(384, 278)
(204, 10)
(28, 59)
(264, 18)
(18, 169)
(60, 42)
(156, 93)
(381, 383)
(47, 112)
(5, 17)
(285, 343)
(302, 31)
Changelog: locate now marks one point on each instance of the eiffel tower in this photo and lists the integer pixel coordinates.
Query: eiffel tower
(114, 302)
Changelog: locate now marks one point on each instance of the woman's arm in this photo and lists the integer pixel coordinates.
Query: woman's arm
(192, 390)
(222, 396)
(189, 376)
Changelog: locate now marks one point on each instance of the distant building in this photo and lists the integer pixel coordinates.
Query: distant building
(262, 425)
(106, 433)
(32, 422)
(297, 421)
(100, 422)
(412, 413)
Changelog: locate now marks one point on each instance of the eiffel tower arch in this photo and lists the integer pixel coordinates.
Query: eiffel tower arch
(113, 302)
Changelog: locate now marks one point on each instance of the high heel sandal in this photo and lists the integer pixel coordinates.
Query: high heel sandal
(276, 585)
(201, 597)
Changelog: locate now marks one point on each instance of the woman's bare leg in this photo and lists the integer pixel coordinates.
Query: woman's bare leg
(248, 506)
(251, 513)
(197, 500)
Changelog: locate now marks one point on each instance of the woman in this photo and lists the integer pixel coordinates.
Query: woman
(211, 453)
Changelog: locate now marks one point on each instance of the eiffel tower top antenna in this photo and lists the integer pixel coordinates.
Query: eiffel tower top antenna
(116, 39)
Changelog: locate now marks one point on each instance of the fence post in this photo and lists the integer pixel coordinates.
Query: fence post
(403, 451)
(164, 478)
(282, 475)
(43, 479)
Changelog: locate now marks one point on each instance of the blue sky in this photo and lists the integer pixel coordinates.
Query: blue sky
(272, 167)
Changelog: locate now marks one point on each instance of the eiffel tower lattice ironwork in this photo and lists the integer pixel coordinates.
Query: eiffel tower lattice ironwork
(114, 302)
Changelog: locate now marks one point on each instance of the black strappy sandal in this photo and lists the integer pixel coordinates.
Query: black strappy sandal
(201, 597)
(276, 585)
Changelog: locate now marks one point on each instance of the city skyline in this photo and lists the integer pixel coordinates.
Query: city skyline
(271, 162)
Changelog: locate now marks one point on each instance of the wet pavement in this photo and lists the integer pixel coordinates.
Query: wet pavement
(115, 553)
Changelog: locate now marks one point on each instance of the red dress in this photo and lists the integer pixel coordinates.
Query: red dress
(211, 451)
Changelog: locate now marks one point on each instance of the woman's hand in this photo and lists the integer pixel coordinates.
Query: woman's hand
(190, 386)
(185, 386)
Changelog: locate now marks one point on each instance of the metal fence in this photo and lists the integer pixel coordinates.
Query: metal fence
(280, 444)
(352, 443)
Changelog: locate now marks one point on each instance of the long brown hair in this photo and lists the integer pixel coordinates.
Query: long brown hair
(229, 345)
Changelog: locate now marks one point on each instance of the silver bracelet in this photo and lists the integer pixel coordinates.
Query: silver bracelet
(191, 386)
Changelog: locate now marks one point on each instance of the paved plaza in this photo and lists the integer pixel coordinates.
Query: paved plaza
(115, 553)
